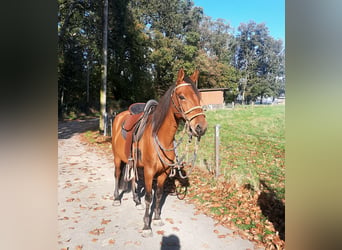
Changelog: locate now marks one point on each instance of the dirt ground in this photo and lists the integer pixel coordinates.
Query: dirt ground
(87, 219)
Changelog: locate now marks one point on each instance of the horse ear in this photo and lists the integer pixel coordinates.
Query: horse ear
(195, 75)
(180, 76)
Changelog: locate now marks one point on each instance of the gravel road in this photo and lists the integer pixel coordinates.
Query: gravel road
(87, 219)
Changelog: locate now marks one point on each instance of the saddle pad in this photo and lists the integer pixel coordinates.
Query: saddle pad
(136, 108)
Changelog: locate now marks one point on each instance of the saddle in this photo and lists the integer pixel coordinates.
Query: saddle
(134, 125)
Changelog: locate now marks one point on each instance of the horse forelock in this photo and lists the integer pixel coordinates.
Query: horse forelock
(188, 80)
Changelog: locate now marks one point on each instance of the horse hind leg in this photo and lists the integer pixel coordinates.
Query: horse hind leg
(117, 174)
(137, 187)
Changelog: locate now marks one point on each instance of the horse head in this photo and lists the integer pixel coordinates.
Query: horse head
(186, 101)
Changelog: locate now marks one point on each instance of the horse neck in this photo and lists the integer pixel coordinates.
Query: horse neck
(168, 129)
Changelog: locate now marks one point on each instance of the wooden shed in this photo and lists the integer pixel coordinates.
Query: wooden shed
(213, 98)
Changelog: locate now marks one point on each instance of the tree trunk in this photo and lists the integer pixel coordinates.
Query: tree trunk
(88, 79)
(103, 90)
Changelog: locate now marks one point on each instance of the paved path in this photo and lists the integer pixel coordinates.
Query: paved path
(87, 219)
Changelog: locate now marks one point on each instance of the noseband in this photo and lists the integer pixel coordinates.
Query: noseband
(180, 109)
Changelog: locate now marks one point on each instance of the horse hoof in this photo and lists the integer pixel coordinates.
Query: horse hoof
(116, 203)
(147, 233)
(140, 207)
(158, 223)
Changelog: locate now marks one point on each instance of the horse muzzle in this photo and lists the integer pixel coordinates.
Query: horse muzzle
(199, 129)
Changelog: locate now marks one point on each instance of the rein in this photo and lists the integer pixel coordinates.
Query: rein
(176, 166)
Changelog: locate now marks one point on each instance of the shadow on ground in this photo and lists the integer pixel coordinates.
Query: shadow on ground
(67, 129)
(273, 209)
(170, 242)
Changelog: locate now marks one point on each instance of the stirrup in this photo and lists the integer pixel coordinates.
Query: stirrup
(129, 170)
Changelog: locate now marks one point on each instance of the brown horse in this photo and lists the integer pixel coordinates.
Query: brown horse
(156, 151)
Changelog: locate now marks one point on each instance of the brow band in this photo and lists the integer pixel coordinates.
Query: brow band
(182, 84)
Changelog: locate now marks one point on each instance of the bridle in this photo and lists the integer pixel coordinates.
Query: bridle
(184, 114)
(179, 107)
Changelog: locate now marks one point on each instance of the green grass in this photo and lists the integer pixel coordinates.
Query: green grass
(252, 146)
(89, 137)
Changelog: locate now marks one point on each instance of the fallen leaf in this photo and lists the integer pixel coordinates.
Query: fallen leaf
(105, 222)
(161, 232)
(169, 220)
(111, 241)
(97, 231)
(99, 208)
(82, 207)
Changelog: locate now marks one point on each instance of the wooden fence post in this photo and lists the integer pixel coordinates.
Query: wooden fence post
(217, 150)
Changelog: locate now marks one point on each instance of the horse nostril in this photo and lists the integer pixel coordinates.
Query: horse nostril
(198, 129)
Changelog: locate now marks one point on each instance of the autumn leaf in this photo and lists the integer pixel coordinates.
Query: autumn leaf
(97, 231)
(82, 207)
(111, 241)
(169, 220)
(161, 232)
(105, 222)
(99, 208)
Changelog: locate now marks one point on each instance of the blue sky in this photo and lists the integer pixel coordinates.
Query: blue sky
(270, 12)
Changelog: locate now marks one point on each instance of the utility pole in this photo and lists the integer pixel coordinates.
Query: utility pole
(103, 91)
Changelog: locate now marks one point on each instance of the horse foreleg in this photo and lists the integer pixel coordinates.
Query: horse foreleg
(147, 231)
(117, 201)
(159, 194)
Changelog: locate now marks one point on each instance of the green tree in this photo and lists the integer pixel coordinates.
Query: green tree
(257, 57)
(148, 41)
(78, 54)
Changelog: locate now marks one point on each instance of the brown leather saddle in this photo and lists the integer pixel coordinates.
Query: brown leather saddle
(134, 124)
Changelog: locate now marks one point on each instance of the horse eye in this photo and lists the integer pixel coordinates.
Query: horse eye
(181, 97)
